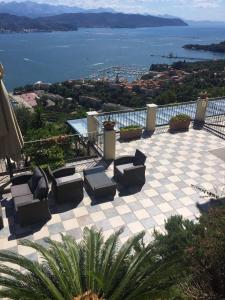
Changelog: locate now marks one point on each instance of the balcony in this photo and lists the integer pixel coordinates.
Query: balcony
(175, 162)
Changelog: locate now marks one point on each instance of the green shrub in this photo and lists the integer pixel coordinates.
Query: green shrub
(180, 117)
(127, 128)
(43, 155)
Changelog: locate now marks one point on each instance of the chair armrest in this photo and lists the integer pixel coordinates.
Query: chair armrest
(21, 179)
(123, 160)
(134, 170)
(69, 182)
(63, 172)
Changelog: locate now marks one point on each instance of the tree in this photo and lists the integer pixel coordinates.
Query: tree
(24, 118)
(102, 270)
(197, 252)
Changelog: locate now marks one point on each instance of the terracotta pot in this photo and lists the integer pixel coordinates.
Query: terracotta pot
(131, 134)
(109, 125)
(176, 125)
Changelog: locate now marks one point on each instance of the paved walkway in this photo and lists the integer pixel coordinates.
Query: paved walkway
(174, 163)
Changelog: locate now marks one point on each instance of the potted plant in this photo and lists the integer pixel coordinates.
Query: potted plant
(108, 124)
(203, 95)
(179, 122)
(130, 132)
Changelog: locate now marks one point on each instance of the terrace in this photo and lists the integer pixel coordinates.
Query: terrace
(174, 163)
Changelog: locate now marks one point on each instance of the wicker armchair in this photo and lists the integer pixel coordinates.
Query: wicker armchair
(67, 185)
(130, 170)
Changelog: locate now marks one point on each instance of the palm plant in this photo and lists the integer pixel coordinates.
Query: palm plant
(92, 269)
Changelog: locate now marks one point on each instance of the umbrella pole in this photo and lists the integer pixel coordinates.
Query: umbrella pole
(10, 167)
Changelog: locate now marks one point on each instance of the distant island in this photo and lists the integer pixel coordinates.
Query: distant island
(220, 47)
(72, 21)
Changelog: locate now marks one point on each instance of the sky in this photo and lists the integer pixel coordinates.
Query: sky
(187, 9)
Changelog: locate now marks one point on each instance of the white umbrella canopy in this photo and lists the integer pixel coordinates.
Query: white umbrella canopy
(11, 140)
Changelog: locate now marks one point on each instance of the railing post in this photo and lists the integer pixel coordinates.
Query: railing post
(151, 117)
(92, 125)
(109, 144)
(200, 115)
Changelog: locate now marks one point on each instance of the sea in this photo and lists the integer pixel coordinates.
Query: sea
(57, 56)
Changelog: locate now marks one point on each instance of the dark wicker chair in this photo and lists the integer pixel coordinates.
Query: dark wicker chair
(29, 192)
(67, 185)
(130, 170)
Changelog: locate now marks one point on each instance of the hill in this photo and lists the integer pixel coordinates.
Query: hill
(220, 47)
(113, 20)
(11, 23)
(70, 22)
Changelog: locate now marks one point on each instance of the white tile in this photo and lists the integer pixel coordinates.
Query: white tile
(174, 179)
(42, 233)
(129, 199)
(141, 214)
(186, 200)
(160, 219)
(135, 227)
(116, 221)
(80, 211)
(168, 196)
(184, 211)
(151, 193)
(146, 203)
(98, 216)
(70, 224)
(188, 191)
(123, 209)
(171, 187)
(165, 207)
(106, 205)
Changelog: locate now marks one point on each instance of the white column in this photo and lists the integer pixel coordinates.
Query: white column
(151, 117)
(92, 125)
(201, 110)
(109, 144)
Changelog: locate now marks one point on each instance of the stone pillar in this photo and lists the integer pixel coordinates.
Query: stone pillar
(92, 125)
(151, 117)
(109, 144)
(201, 110)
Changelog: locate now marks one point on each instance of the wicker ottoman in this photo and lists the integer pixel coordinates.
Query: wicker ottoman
(98, 184)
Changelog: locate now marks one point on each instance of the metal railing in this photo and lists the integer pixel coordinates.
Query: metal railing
(166, 112)
(125, 117)
(215, 117)
(54, 151)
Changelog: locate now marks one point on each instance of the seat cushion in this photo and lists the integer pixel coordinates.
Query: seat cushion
(22, 200)
(97, 169)
(41, 190)
(139, 158)
(20, 190)
(33, 181)
(121, 168)
(98, 180)
(66, 179)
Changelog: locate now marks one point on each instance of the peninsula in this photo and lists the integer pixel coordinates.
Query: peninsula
(220, 47)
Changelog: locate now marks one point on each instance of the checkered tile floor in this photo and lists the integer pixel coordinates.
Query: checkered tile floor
(174, 163)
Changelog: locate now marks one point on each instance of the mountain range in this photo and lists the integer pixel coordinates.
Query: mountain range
(72, 21)
(34, 10)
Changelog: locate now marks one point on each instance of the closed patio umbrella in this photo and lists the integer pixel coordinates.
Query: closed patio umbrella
(11, 140)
